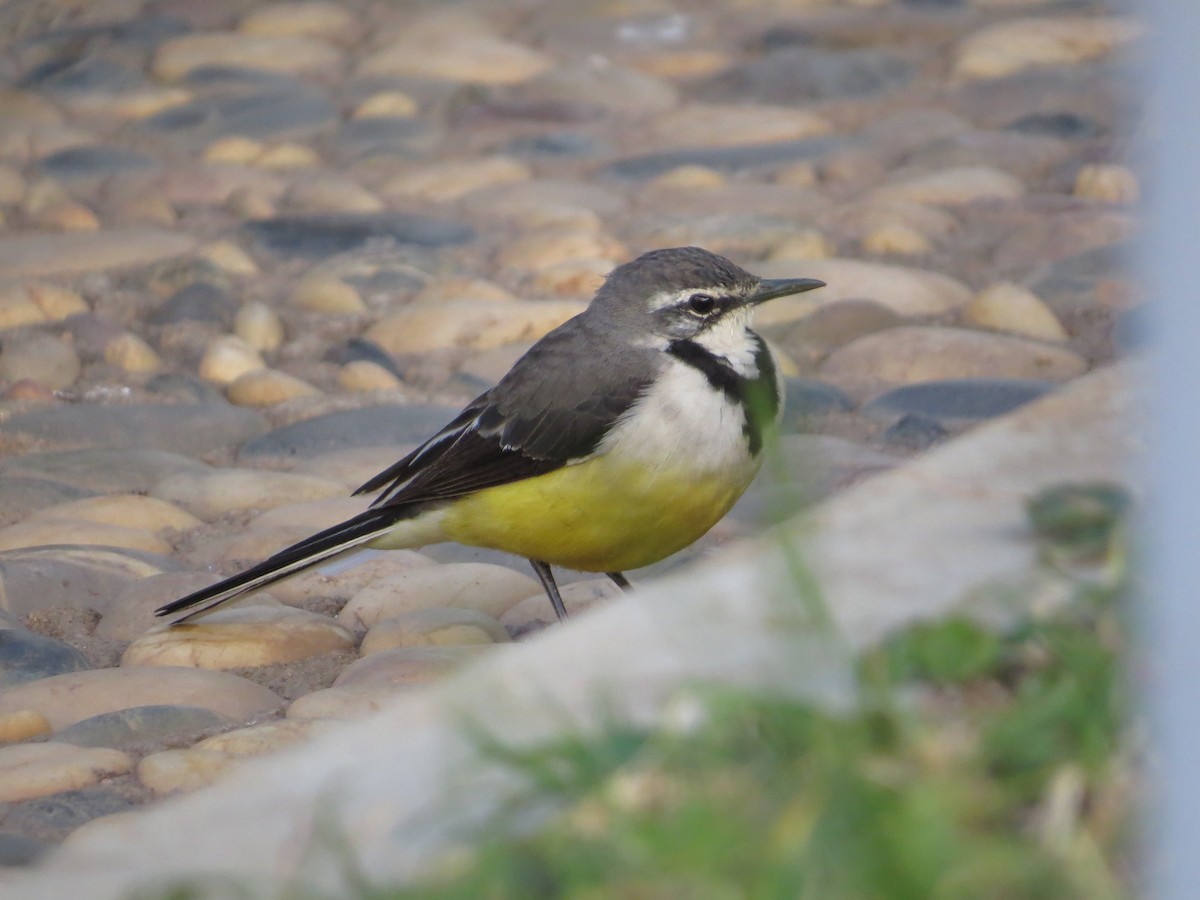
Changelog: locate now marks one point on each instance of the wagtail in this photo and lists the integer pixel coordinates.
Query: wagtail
(618, 439)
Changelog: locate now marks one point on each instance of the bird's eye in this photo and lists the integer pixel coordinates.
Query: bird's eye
(701, 304)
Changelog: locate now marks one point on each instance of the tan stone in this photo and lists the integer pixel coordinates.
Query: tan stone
(170, 771)
(228, 358)
(229, 257)
(545, 248)
(259, 326)
(462, 288)
(365, 375)
(29, 304)
(21, 725)
(234, 150)
(1017, 44)
(683, 64)
(1109, 183)
(132, 354)
(237, 637)
(896, 240)
(535, 612)
(408, 666)
(214, 493)
(327, 294)
(434, 628)
(479, 586)
(75, 696)
(448, 181)
(346, 578)
(268, 387)
(288, 156)
(332, 193)
(44, 358)
(36, 770)
(68, 216)
(479, 324)
(1014, 309)
(129, 510)
(149, 209)
(12, 185)
(707, 125)
(951, 187)
(314, 18)
(47, 532)
(133, 104)
(177, 56)
(266, 737)
(354, 701)
(386, 104)
(808, 243)
(68, 253)
(572, 278)
(690, 178)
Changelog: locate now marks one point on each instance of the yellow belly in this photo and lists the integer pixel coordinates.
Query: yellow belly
(597, 516)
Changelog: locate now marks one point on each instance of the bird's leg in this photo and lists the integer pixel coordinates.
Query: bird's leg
(546, 577)
(620, 581)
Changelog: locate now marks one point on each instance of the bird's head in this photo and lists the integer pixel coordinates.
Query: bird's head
(686, 293)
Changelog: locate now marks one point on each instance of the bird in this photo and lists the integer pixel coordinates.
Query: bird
(619, 438)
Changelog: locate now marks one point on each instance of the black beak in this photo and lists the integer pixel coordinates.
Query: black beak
(770, 288)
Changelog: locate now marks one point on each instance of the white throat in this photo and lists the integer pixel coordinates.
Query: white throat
(730, 340)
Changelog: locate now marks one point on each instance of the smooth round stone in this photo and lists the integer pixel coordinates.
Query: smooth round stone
(534, 612)
(342, 579)
(56, 816)
(792, 75)
(286, 109)
(195, 428)
(576, 90)
(371, 426)
(542, 249)
(434, 628)
(556, 144)
(362, 350)
(41, 578)
(259, 326)
(1065, 124)
(478, 586)
(68, 216)
(268, 387)
(448, 181)
(228, 257)
(286, 54)
(131, 354)
(136, 103)
(37, 255)
(549, 202)
(26, 656)
(355, 701)
(199, 301)
(75, 696)
(94, 161)
(450, 45)
(331, 194)
(1008, 47)
(131, 611)
(20, 497)
(905, 291)
(98, 471)
(1107, 183)
(128, 510)
(313, 18)
(1083, 280)
(286, 156)
(35, 770)
(365, 375)
(915, 432)
(212, 494)
(730, 159)
(171, 771)
(240, 637)
(321, 235)
(807, 397)
(21, 850)
(28, 142)
(51, 532)
(572, 278)
(387, 139)
(1014, 309)
(12, 185)
(21, 725)
(690, 178)
(958, 400)
(228, 358)
(712, 125)
(478, 324)
(387, 105)
(139, 725)
(33, 303)
(920, 353)
(39, 357)
(267, 737)
(407, 666)
(952, 187)
(809, 340)
(327, 294)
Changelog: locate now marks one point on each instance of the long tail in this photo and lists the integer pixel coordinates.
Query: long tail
(308, 552)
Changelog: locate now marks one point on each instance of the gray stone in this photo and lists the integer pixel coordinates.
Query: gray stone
(807, 397)
(914, 431)
(727, 159)
(162, 724)
(52, 818)
(92, 161)
(75, 252)
(25, 656)
(73, 73)
(21, 495)
(1064, 124)
(1071, 283)
(317, 236)
(559, 143)
(957, 399)
(96, 471)
(196, 428)
(271, 113)
(383, 136)
(796, 75)
(21, 850)
(184, 386)
(373, 426)
(197, 302)
(361, 349)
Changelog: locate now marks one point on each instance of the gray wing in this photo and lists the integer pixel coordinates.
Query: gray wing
(553, 407)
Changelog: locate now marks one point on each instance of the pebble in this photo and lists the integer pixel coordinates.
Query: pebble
(1014, 309)
(286, 54)
(35, 770)
(914, 432)
(92, 161)
(228, 358)
(37, 255)
(54, 817)
(171, 771)
(807, 397)
(331, 194)
(579, 88)
(78, 577)
(266, 737)
(301, 19)
(287, 156)
(478, 324)
(896, 240)
(922, 353)
(714, 125)
(95, 470)
(25, 656)
(40, 357)
(1005, 48)
(792, 75)
(534, 612)
(958, 400)
(51, 532)
(1108, 183)
(434, 628)
(951, 187)
(365, 375)
(454, 46)
(131, 354)
(737, 158)
(131, 610)
(228, 257)
(75, 696)
(386, 104)
(280, 108)
(353, 701)
(342, 579)
(572, 278)
(35, 303)
(407, 666)
(129, 510)
(21, 725)
(906, 291)
(125, 729)
(481, 587)
(448, 181)
(541, 249)
(268, 387)
(68, 216)
(240, 637)
(327, 234)
(387, 426)
(216, 492)
(327, 294)
(12, 185)
(200, 301)
(259, 326)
